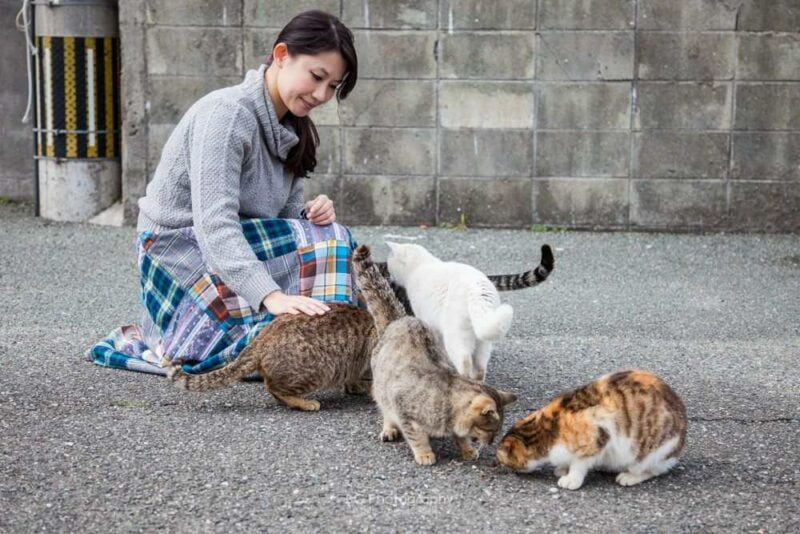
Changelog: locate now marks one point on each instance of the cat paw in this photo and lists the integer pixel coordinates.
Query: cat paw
(570, 483)
(425, 458)
(357, 388)
(629, 479)
(308, 406)
(469, 454)
(561, 471)
(390, 434)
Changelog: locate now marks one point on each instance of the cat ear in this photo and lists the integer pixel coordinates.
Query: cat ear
(490, 412)
(506, 397)
(361, 253)
(392, 246)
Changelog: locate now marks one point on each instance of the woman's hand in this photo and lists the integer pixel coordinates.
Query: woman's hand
(278, 303)
(320, 210)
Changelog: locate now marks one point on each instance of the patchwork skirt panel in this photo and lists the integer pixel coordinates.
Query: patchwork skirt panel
(189, 313)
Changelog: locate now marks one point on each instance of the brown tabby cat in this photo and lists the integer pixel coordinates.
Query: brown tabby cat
(297, 355)
(629, 422)
(419, 392)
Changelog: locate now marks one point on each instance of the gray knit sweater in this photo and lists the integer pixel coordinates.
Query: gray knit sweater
(223, 161)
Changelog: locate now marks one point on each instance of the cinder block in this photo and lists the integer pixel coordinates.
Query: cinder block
(325, 184)
(133, 86)
(769, 56)
(769, 15)
(258, 43)
(156, 139)
(329, 150)
(207, 13)
(171, 96)
(485, 202)
(687, 14)
(194, 51)
(684, 204)
(407, 151)
(703, 106)
(581, 202)
(582, 154)
(392, 14)
(18, 187)
(277, 13)
(760, 206)
(396, 103)
(766, 156)
(485, 152)
(768, 106)
(595, 106)
(16, 149)
(664, 154)
(479, 15)
(686, 56)
(396, 54)
(584, 56)
(586, 14)
(485, 104)
(131, 195)
(400, 200)
(486, 55)
(328, 113)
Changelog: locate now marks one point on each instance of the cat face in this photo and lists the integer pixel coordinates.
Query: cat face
(526, 446)
(403, 258)
(483, 419)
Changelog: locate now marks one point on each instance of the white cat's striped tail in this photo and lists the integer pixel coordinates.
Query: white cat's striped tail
(489, 321)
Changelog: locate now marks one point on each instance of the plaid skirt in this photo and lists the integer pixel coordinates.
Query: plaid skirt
(189, 313)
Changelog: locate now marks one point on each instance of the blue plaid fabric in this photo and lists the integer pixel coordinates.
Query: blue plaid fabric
(160, 293)
(189, 313)
(269, 238)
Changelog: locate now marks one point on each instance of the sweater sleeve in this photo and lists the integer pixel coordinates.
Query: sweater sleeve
(220, 141)
(295, 203)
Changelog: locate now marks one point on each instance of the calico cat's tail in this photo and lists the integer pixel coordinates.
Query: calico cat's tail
(226, 376)
(381, 300)
(511, 282)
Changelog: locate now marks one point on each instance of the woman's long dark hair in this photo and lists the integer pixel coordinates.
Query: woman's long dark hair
(311, 33)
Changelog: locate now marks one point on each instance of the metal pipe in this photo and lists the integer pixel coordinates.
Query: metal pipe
(34, 105)
(77, 129)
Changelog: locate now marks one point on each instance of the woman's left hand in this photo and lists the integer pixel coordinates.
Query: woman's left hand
(320, 210)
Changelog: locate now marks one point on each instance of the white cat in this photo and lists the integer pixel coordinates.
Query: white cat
(457, 301)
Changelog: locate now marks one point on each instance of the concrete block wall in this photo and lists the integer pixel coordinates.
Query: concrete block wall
(604, 114)
(16, 148)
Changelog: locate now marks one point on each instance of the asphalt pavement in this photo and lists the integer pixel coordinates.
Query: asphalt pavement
(89, 449)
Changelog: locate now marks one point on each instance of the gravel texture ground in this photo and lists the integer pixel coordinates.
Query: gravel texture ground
(91, 449)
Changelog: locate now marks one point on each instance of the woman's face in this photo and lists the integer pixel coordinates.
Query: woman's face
(305, 82)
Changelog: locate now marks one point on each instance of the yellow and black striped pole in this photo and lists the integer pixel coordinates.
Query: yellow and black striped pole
(79, 97)
(77, 130)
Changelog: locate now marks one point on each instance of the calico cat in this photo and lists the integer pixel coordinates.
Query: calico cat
(503, 282)
(629, 422)
(457, 300)
(297, 355)
(419, 393)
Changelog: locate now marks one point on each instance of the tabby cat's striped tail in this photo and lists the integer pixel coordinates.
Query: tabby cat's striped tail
(238, 369)
(511, 282)
(381, 300)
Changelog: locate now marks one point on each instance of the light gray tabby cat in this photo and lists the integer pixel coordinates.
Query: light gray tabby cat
(419, 392)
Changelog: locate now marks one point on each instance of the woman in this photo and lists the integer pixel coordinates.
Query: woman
(225, 240)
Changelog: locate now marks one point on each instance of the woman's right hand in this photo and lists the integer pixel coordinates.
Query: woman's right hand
(278, 303)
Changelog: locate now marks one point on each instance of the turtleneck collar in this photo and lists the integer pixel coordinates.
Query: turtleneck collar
(278, 138)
